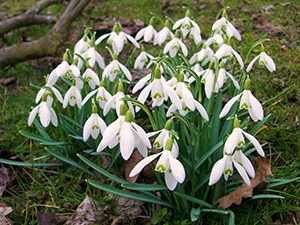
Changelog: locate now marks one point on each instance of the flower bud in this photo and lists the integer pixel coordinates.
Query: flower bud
(123, 108)
(117, 27)
(169, 144)
(236, 122)
(129, 116)
(169, 124)
(247, 84)
(157, 72)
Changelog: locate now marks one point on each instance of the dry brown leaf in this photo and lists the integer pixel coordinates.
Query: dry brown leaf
(7, 81)
(4, 211)
(4, 179)
(128, 210)
(85, 213)
(263, 170)
(130, 163)
(263, 24)
(46, 218)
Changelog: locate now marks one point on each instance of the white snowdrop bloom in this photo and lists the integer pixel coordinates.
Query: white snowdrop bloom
(185, 109)
(91, 78)
(70, 72)
(206, 54)
(115, 68)
(236, 140)
(248, 102)
(142, 59)
(173, 46)
(93, 126)
(115, 102)
(215, 39)
(225, 166)
(92, 57)
(81, 46)
(147, 33)
(188, 27)
(159, 91)
(227, 51)
(198, 70)
(167, 163)
(102, 96)
(263, 59)
(46, 114)
(163, 35)
(117, 40)
(47, 93)
(224, 26)
(127, 134)
(72, 97)
(222, 77)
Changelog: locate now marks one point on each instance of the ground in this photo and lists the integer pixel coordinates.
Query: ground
(38, 190)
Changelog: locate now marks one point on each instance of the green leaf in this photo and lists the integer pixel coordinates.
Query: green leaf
(280, 182)
(40, 139)
(27, 164)
(144, 187)
(267, 196)
(101, 170)
(193, 199)
(63, 158)
(208, 154)
(127, 194)
(231, 220)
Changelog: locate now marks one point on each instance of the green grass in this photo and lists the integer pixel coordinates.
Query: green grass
(37, 190)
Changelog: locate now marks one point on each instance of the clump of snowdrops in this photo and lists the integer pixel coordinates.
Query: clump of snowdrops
(183, 103)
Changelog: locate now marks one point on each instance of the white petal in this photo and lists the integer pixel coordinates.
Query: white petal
(87, 128)
(246, 163)
(255, 108)
(233, 140)
(54, 119)
(57, 94)
(209, 83)
(141, 83)
(127, 142)
(252, 63)
(228, 106)
(217, 171)
(100, 39)
(144, 93)
(32, 115)
(132, 40)
(40, 94)
(88, 96)
(140, 34)
(177, 169)
(142, 135)
(109, 135)
(201, 110)
(171, 182)
(144, 162)
(255, 143)
(234, 81)
(125, 71)
(242, 172)
(268, 61)
(44, 114)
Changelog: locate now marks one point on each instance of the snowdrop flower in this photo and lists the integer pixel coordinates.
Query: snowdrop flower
(222, 77)
(116, 102)
(92, 57)
(263, 59)
(173, 46)
(81, 46)
(102, 96)
(248, 102)
(167, 163)
(115, 68)
(72, 97)
(147, 33)
(128, 134)
(222, 25)
(46, 114)
(47, 93)
(70, 72)
(225, 166)
(227, 51)
(117, 39)
(215, 39)
(204, 54)
(142, 59)
(163, 35)
(158, 88)
(188, 27)
(91, 77)
(93, 126)
(187, 99)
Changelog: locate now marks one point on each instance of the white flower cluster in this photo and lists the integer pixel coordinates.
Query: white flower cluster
(169, 86)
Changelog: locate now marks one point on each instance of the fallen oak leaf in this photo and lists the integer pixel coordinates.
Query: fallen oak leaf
(263, 170)
(85, 213)
(4, 211)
